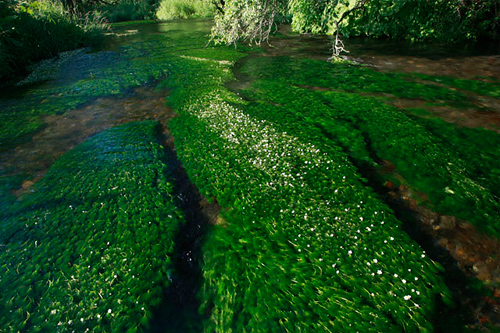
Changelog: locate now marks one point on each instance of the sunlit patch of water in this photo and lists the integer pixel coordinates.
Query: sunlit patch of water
(63, 132)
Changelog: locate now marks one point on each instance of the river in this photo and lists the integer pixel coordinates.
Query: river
(69, 99)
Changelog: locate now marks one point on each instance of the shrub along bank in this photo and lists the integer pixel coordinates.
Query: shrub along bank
(31, 31)
(90, 249)
(182, 9)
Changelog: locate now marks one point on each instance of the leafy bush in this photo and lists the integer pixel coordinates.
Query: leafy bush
(181, 9)
(41, 29)
(437, 20)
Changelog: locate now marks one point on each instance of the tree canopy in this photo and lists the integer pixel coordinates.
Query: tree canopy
(414, 20)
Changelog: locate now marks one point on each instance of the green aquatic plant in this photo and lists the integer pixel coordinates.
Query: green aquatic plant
(302, 243)
(479, 87)
(439, 163)
(347, 77)
(90, 248)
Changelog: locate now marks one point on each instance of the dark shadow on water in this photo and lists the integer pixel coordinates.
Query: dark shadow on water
(179, 311)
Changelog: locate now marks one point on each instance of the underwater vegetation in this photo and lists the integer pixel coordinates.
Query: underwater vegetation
(303, 244)
(453, 166)
(90, 249)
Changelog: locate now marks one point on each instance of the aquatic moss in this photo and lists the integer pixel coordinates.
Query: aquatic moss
(90, 248)
(347, 77)
(302, 243)
(457, 176)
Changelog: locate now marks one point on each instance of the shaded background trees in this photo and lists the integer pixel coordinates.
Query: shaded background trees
(412, 20)
(31, 31)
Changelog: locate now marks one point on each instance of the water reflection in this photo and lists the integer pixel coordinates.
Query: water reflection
(63, 132)
(478, 61)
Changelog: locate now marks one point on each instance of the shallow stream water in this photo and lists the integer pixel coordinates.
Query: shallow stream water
(67, 121)
(72, 125)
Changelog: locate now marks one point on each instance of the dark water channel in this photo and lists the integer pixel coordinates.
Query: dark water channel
(29, 159)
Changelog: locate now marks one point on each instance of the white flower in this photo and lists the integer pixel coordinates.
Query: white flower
(109, 310)
(407, 297)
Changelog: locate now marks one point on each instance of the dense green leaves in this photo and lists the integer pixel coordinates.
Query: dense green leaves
(251, 20)
(90, 248)
(435, 20)
(302, 244)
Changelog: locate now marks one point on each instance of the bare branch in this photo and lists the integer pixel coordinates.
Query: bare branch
(338, 46)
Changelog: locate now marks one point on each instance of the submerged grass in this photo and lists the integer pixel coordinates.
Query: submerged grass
(454, 167)
(303, 244)
(89, 249)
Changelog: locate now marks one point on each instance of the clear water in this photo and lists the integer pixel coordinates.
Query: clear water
(71, 125)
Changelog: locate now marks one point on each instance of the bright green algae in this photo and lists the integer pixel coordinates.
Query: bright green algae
(303, 243)
(450, 165)
(90, 249)
(299, 247)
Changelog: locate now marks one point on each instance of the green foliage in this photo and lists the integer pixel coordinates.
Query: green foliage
(302, 243)
(90, 248)
(36, 30)
(437, 20)
(182, 9)
(251, 20)
(454, 167)
(318, 16)
(128, 10)
(403, 19)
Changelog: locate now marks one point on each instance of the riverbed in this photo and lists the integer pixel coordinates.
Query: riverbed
(416, 128)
